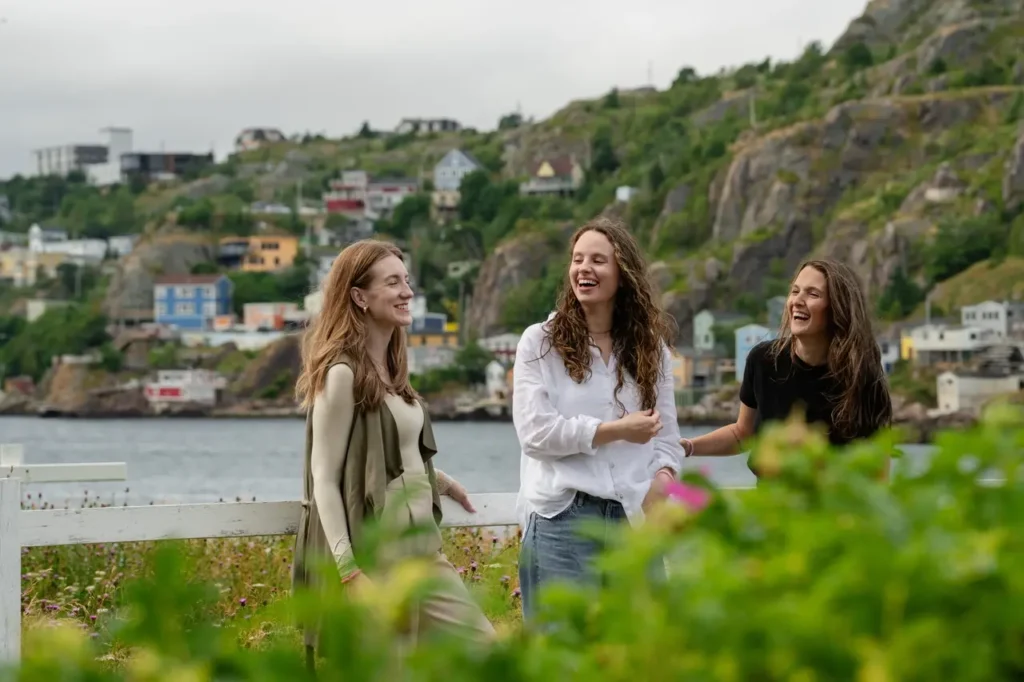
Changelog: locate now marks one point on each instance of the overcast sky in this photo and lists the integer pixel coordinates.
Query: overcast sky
(187, 75)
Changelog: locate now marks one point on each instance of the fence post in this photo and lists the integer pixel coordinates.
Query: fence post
(10, 571)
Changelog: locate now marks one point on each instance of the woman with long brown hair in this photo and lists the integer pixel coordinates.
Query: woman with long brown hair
(369, 444)
(594, 408)
(824, 362)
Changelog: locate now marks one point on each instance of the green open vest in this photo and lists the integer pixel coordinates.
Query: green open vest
(371, 461)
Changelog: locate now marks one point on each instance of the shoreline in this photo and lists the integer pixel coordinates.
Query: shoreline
(919, 431)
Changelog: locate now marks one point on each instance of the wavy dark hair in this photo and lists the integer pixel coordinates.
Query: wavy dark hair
(640, 329)
(854, 359)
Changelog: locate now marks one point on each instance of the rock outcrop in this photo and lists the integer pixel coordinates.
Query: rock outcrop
(165, 253)
(512, 264)
(272, 374)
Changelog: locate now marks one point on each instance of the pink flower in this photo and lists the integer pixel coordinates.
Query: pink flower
(691, 497)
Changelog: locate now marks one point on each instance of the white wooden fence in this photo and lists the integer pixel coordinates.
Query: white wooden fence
(35, 528)
(13, 472)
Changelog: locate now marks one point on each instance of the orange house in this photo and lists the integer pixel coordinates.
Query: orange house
(267, 253)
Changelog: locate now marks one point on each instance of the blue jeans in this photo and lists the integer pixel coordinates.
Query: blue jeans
(553, 550)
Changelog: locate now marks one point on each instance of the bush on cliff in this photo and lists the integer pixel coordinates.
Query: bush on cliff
(825, 572)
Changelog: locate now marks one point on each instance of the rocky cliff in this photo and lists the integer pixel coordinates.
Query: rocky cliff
(167, 251)
(918, 119)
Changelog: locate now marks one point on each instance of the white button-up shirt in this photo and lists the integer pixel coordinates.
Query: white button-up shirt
(556, 419)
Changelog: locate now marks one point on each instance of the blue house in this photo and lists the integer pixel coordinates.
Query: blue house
(450, 170)
(747, 337)
(190, 302)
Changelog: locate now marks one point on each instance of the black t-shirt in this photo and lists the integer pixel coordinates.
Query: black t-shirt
(774, 388)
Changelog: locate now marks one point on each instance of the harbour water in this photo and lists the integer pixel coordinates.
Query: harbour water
(206, 460)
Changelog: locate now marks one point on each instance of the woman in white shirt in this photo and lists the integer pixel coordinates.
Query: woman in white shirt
(594, 408)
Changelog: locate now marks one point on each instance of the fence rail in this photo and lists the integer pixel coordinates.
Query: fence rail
(39, 528)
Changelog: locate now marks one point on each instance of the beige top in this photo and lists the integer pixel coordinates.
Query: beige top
(333, 416)
(409, 502)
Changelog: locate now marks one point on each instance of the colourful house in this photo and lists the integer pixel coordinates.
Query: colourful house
(191, 302)
(267, 253)
(747, 337)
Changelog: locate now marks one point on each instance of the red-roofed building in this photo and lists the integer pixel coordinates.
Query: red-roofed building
(191, 301)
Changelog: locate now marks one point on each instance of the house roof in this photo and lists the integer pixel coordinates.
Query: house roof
(466, 153)
(188, 279)
(561, 165)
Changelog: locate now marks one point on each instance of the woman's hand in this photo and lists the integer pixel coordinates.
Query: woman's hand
(446, 485)
(639, 427)
(656, 493)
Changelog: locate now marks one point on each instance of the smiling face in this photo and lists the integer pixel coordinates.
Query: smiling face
(808, 304)
(594, 273)
(386, 297)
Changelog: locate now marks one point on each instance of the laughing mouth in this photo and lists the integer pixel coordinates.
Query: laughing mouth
(801, 317)
(586, 283)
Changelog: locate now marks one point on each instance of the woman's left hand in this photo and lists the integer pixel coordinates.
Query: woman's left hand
(453, 489)
(656, 493)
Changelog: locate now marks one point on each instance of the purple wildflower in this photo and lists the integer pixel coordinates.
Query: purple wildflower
(242, 601)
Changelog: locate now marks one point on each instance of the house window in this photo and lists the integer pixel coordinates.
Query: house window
(183, 292)
(210, 308)
(184, 309)
(210, 291)
(161, 308)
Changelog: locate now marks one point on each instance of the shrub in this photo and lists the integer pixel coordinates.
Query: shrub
(824, 572)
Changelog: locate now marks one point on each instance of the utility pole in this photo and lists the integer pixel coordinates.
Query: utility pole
(462, 311)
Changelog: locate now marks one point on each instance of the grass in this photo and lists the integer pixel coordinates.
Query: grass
(84, 585)
(988, 280)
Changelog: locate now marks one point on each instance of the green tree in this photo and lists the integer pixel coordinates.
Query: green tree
(611, 100)
(510, 121)
(856, 57)
(961, 242)
(71, 329)
(473, 359)
(602, 149)
(901, 296)
(655, 176)
(366, 132)
(411, 211)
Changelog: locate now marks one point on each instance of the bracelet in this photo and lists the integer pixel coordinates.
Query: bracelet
(687, 446)
(351, 576)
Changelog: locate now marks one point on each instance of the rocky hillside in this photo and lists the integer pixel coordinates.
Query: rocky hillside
(899, 149)
(894, 149)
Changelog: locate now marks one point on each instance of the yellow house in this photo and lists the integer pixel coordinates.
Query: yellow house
(682, 370)
(23, 267)
(270, 252)
(906, 346)
(433, 339)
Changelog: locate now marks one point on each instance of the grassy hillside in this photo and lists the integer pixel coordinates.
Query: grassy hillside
(752, 169)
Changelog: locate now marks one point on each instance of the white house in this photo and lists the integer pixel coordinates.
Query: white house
(423, 358)
(703, 327)
(1006, 318)
(184, 386)
(889, 348)
(51, 240)
(970, 392)
(502, 346)
(934, 343)
(497, 385)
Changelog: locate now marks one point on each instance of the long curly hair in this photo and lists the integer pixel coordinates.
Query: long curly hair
(640, 329)
(854, 358)
(340, 331)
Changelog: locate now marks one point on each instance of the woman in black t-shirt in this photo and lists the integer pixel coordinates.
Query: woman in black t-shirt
(825, 363)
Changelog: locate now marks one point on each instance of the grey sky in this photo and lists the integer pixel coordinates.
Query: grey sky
(189, 74)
